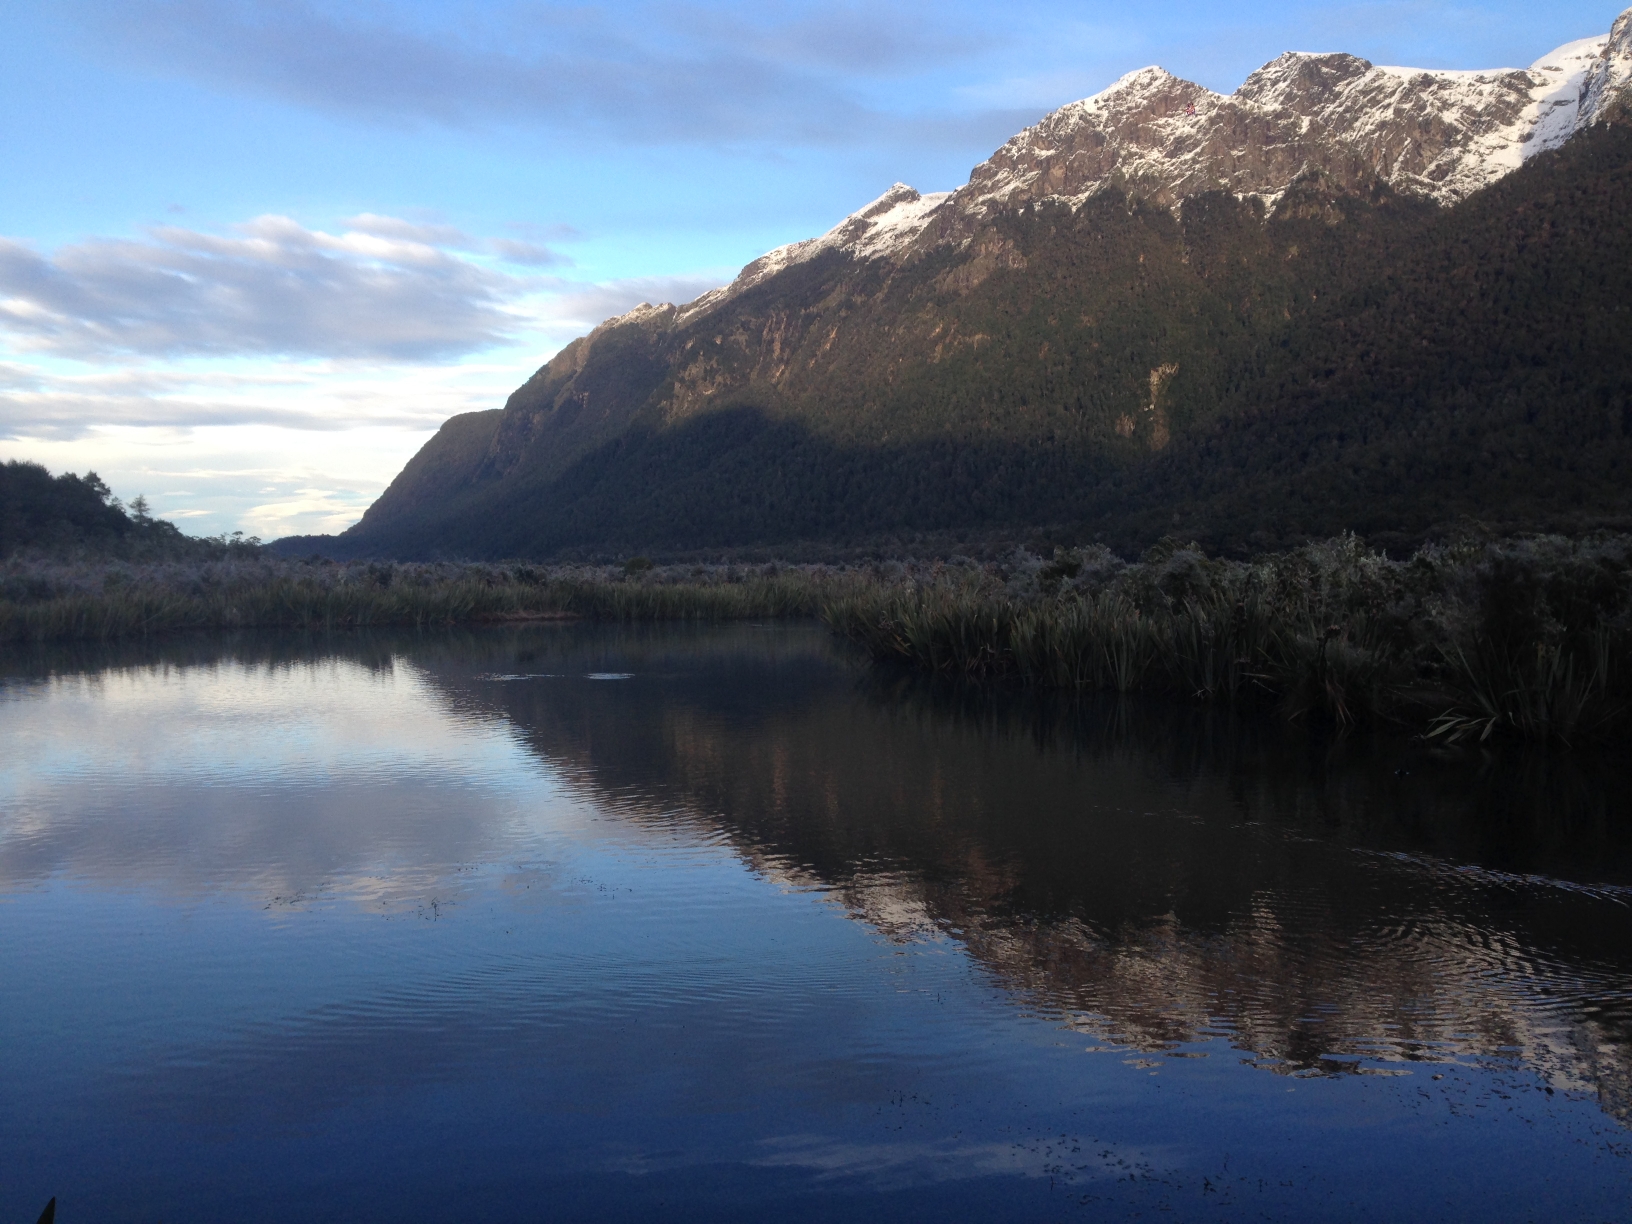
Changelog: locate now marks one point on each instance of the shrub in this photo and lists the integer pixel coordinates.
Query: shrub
(1528, 636)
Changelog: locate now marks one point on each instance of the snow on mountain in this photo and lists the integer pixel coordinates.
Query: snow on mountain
(886, 225)
(1558, 98)
(1441, 134)
(1155, 137)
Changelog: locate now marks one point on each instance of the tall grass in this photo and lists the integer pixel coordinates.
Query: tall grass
(42, 600)
(1529, 637)
(1525, 637)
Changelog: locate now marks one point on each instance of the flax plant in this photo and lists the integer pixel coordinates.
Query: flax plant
(1528, 638)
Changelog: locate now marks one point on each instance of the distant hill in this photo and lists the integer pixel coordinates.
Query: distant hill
(1344, 297)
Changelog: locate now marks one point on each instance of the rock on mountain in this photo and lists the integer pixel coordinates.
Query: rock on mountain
(1087, 333)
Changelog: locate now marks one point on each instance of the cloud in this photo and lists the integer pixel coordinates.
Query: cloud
(382, 290)
(70, 407)
(652, 73)
(276, 345)
(64, 408)
(18, 378)
(276, 325)
(409, 231)
(529, 254)
(66, 418)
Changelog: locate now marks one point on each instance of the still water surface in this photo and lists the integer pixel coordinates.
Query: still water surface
(573, 922)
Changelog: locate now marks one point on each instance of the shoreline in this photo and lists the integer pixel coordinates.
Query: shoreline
(1528, 637)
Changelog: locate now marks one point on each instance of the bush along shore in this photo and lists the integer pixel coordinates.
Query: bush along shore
(42, 599)
(1518, 638)
(1466, 641)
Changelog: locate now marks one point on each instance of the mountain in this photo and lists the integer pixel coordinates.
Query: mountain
(1343, 297)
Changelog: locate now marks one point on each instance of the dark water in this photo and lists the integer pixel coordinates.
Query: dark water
(665, 924)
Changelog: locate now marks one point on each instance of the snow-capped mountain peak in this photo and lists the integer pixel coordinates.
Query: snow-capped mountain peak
(1434, 133)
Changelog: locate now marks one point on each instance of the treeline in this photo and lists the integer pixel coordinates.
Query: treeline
(70, 515)
(39, 510)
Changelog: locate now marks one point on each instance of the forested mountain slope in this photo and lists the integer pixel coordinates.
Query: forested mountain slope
(1343, 297)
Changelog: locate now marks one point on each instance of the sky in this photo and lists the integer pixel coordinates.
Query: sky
(254, 252)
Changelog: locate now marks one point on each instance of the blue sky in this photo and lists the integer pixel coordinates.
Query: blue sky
(253, 252)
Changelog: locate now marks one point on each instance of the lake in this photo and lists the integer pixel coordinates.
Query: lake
(578, 922)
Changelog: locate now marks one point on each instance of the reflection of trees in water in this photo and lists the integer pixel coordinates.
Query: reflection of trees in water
(1150, 873)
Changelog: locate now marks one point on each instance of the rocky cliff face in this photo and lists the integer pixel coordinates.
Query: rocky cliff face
(1609, 74)
(1111, 289)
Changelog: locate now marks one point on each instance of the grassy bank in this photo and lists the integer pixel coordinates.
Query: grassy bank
(42, 600)
(1526, 638)
(1529, 637)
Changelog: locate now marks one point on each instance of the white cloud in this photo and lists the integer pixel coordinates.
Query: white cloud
(312, 395)
(273, 449)
(384, 291)
(275, 377)
(528, 254)
(410, 231)
(65, 407)
(269, 451)
(18, 378)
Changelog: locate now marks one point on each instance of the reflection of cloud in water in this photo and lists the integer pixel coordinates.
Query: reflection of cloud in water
(293, 783)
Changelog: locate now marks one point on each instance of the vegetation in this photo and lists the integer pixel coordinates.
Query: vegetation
(78, 515)
(41, 510)
(1528, 637)
(43, 599)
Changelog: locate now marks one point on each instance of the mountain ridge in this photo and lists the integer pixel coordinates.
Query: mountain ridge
(1064, 313)
(1487, 123)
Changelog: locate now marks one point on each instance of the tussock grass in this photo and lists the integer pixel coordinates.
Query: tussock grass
(1529, 638)
(45, 601)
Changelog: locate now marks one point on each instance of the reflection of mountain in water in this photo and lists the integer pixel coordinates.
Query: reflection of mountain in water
(1149, 874)
(1153, 875)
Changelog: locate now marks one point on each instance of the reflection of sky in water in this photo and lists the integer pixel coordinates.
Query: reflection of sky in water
(286, 941)
(237, 722)
(321, 777)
